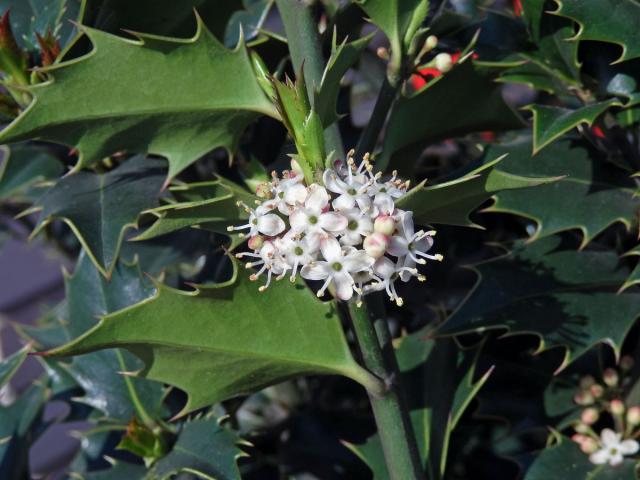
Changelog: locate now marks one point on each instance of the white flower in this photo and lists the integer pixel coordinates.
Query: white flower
(351, 191)
(289, 192)
(383, 194)
(261, 221)
(613, 448)
(410, 246)
(313, 218)
(270, 261)
(358, 225)
(297, 250)
(337, 267)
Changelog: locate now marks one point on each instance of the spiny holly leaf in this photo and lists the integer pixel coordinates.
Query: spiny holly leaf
(550, 123)
(157, 110)
(398, 19)
(88, 296)
(204, 449)
(233, 339)
(215, 212)
(565, 297)
(434, 112)
(10, 365)
(17, 422)
(452, 202)
(24, 165)
(249, 21)
(100, 208)
(437, 399)
(565, 460)
(342, 58)
(40, 16)
(634, 277)
(593, 195)
(613, 21)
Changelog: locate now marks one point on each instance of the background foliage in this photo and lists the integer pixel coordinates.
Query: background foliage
(132, 131)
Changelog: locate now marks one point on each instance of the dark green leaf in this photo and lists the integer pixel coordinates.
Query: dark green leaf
(119, 471)
(10, 365)
(613, 21)
(204, 449)
(24, 165)
(255, 339)
(565, 460)
(100, 208)
(550, 123)
(593, 195)
(565, 297)
(434, 113)
(634, 277)
(452, 202)
(181, 117)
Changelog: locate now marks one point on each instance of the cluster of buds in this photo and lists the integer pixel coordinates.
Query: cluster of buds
(345, 232)
(603, 401)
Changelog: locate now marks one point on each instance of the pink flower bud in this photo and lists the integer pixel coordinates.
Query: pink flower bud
(583, 398)
(376, 244)
(384, 224)
(256, 242)
(596, 390)
(617, 407)
(633, 416)
(589, 445)
(586, 382)
(589, 416)
(610, 377)
(626, 363)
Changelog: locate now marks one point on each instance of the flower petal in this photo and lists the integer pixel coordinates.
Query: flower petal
(299, 220)
(358, 261)
(270, 224)
(616, 459)
(317, 199)
(406, 223)
(398, 246)
(331, 250)
(384, 202)
(344, 202)
(609, 438)
(296, 193)
(629, 447)
(344, 285)
(332, 182)
(599, 457)
(333, 221)
(316, 271)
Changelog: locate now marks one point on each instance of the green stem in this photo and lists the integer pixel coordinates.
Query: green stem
(386, 97)
(391, 415)
(304, 45)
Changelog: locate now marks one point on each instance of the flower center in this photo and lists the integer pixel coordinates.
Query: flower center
(254, 221)
(337, 266)
(352, 191)
(313, 219)
(353, 225)
(613, 451)
(298, 251)
(281, 194)
(383, 190)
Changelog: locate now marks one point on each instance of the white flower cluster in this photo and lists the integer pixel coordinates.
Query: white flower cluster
(347, 232)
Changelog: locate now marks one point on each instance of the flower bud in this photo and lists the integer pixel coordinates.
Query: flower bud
(431, 42)
(583, 398)
(263, 190)
(589, 416)
(596, 390)
(588, 445)
(586, 382)
(617, 407)
(633, 416)
(581, 428)
(610, 377)
(376, 244)
(295, 166)
(443, 62)
(256, 242)
(626, 363)
(578, 438)
(382, 53)
(384, 224)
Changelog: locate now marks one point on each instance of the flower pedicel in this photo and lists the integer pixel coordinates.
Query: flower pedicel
(346, 232)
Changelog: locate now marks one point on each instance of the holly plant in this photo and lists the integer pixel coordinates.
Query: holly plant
(330, 239)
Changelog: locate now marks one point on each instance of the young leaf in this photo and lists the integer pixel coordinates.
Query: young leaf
(452, 202)
(592, 196)
(439, 379)
(342, 58)
(550, 123)
(613, 21)
(434, 113)
(565, 297)
(255, 339)
(565, 460)
(100, 208)
(159, 108)
(24, 165)
(205, 449)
